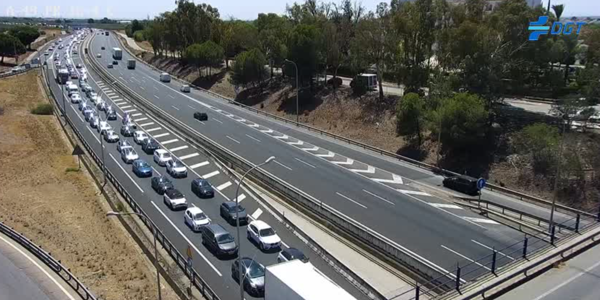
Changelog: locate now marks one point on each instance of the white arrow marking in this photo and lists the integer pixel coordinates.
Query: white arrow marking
(347, 162)
(314, 148)
(369, 170)
(329, 154)
(397, 179)
(298, 143)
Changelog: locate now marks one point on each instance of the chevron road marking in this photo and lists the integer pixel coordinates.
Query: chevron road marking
(283, 137)
(329, 154)
(298, 143)
(267, 130)
(369, 170)
(445, 205)
(314, 148)
(198, 165)
(224, 186)
(413, 192)
(396, 179)
(348, 161)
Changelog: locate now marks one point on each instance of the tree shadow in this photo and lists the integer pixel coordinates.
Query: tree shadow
(207, 82)
(307, 102)
(413, 151)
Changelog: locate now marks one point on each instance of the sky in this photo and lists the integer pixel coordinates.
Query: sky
(238, 9)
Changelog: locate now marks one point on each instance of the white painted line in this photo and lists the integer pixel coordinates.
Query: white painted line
(466, 258)
(126, 106)
(211, 174)
(298, 143)
(179, 148)
(141, 87)
(198, 165)
(171, 96)
(153, 129)
(156, 97)
(39, 267)
(283, 137)
(305, 163)
(191, 107)
(161, 135)
(155, 87)
(346, 197)
(93, 134)
(329, 154)
(224, 186)
(118, 164)
(253, 125)
(369, 170)
(257, 213)
(314, 148)
(407, 192)
(141, 119)
(445, 205)
(200, 122)
(584, 272)
(282, 165)
(396, 179)
(480, 220)
(169, 141)
(232, 139)
(136, 115)
(156, 171)
(186, 239)
(240, 198)
(146, 124)
(379, 197)
(189, 156)
(175, 107)
(348, 161)
(253, 138)
(490, 248)
(217, 120)
(128, 111)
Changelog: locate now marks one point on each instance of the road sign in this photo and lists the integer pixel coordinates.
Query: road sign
(77, 151)
(480, 183)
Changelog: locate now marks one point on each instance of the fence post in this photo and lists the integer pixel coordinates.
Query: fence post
(494, 261)
(577, 223)
(458, 277)
(417, 292)
(552, 234)
(525, 247)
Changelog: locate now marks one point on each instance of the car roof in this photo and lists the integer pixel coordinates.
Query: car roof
(294, 252)
(260, 224)
(174, 192)
(139, 132)
(160, 151)
(217, 229)
(195, 210)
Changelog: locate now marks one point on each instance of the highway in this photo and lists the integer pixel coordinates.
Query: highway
(216, 272)
(378, 194)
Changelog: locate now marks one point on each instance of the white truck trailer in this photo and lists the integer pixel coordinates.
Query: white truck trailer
(296, 280)
(117, 53)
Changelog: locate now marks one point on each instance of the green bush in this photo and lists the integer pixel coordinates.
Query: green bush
(540, 140)
(42, 109)
(138, 36)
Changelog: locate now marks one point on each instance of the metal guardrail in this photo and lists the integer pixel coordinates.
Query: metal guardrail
(410, 260)
(425, 166)
(52, 263)
(181, 260)
(9, 74)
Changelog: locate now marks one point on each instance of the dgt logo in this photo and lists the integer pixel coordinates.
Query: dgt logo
(539, 27)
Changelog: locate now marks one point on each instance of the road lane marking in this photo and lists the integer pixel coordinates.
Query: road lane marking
(217, 120)
(379, 197)
(253, 138)
(198, 165)
(118, 164)
(305, 163)
(348, 161)
(136, 115)
(141, 87)
(407, 192)
(458, 254)
(480, 220)
(173, 106)
(369, 170)
(329, 154)
(161, 135)
(224, 186)
(211, 174)
(191, 107)
(155, 87)
(298, 143)
(445, 205)
(396, 179)
(240, 198)
(157, 172)
(146, 124)
(141, 119)
(93, 134)
(282, 165)
(490, 248)
(257, 213)
(314, 148)
(124, 107)
(169, 141)
(171, 96)
(189, 156)
(129, 111)
(554, 289)
(156, 97)
(179, 148)
(347, 198)
(232, 139)
(153, 129)
(186, 239)
(283, 137)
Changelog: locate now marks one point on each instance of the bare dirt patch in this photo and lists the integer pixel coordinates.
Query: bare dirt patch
(59, 209)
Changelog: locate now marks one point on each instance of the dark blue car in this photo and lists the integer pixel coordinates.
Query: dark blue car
(202, 188)
(141, 168)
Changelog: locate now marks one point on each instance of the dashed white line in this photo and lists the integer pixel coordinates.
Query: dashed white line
(171, 96)
(198, 165)
(446, 205)
(141, 87)
(93, 134)
(490, 248)
(232, 139)
(191, 107)
(173, 106)
(211, 174)
(282, 165)
(379, 197)
(156, 97)
(480, 220)
(305, 163)
(217, 120)
(407, 192)
(161, 135)
(458, 254)
(179, 148)
(347, 198)
(224, 186)
(153, 129)
(253, 138)
(189, 156)
(169, 141)
(118, 164)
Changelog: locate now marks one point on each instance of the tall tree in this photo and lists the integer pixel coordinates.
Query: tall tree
(558, 11)
(249, 68)
(303, 50)
(410, 117)
(25, 34)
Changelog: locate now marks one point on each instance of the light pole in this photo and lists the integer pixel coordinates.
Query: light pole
(114, 213)
(559, 160)
(297, 88)
(237, 223)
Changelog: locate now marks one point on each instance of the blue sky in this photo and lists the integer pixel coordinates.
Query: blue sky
(240, 9)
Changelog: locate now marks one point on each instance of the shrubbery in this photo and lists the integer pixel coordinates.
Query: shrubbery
(42, 109)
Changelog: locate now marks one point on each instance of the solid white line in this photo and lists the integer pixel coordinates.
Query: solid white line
(211, 174)
(350, 200)
(153, 129)
(445, 205)
(136, 114)
(189, 156)
(157, 172)
(39, 267)
(141, 119)
(253, 138)
(554, 289)
(170, 141)
(305, 163)
(186, 239)
(407, 192)
(179, 148)
(490, 248)
(175, 107)
(93, 134)
(480, 220)
(282, 165)
(465, 257)
(128, 111)
(257, 213)
(198, 165)
(240, 198)
(379, 197)
(224, 185)
(161, 135)
(232, 139)
(118, 164)
(217, 120)
(146, 124)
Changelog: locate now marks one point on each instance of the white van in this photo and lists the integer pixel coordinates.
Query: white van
(165, 77)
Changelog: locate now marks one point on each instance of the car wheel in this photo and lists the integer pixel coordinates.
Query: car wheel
(261, 246)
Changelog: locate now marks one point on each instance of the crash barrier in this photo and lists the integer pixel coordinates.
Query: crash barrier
(11, 73)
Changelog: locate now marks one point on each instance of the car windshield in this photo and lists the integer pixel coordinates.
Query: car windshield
(144, 164)
(267, 232)
(164, 180)
(200, 216)
(176, 194)
(256, 270)
(204, 184)
(238, 207)
(225, 238)
(176, 164)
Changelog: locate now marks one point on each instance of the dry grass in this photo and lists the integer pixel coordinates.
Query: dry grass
(61, 210)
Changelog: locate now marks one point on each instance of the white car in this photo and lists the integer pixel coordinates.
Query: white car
(98, 55)
(174, 199)
(103, 127)
(75, 98)
(176, 168)
(161, 157)
(262, 234)
(123, 145)
(128, 155)
(139, 137)
(94, 122)
(111, 136)
(195, 218)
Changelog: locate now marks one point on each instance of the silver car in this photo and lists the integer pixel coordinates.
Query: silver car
(176, 168)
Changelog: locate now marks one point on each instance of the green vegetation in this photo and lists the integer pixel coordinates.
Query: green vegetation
(42, 109)
(205, 55)
(25, 34)
(10, 46)
(410, 114)
(249, 68)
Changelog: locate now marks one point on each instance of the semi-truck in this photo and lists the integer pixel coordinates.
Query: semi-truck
(131, 64)
(117, 53)
(297, 280)
(62, 75)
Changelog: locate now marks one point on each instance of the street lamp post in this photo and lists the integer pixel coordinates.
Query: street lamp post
(237, 223)
(114, 213)
(297, 88)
